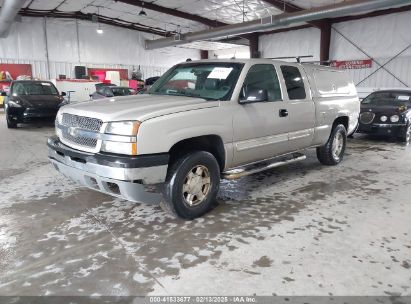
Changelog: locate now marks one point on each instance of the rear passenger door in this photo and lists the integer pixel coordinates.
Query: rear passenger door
(298, 105)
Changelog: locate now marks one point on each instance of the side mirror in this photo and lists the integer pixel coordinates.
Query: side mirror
(252, 94)
(3, 94)
(63, 94)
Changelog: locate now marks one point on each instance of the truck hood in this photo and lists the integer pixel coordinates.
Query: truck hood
(137, 107)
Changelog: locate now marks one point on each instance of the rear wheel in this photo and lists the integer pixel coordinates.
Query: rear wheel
(332, 153)
(192, 185)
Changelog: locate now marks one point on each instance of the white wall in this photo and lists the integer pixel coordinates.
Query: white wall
(381, 37)
(116, 48)
(240, 52)
(292, 43)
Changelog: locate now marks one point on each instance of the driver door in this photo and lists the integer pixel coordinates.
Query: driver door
(260, 128)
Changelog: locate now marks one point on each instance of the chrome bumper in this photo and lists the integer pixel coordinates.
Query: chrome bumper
(119, 181)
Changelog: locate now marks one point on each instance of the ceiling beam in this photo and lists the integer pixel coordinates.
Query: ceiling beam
(384, 12)
(101, 19)
(173, 12)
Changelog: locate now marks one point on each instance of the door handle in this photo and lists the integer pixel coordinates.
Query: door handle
(283, 113)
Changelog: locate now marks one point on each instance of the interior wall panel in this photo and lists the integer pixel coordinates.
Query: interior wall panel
(25, 40)
(116, 48)
(304, 42)
(381, 38)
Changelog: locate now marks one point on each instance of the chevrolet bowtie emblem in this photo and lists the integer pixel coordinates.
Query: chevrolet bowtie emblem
(72, 131)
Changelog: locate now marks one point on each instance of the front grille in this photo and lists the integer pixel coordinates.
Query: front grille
(367, 117)
(81, 122)
(80, 141)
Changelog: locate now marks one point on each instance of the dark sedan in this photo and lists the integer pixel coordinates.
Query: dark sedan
(29, 100)
(104, 91)
(387, 113)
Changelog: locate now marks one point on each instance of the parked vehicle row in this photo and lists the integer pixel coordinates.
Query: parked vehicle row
(30, 100)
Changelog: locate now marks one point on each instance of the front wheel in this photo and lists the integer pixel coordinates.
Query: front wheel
(192, 185)
(332, 153)
(10, 124)
(407, 134)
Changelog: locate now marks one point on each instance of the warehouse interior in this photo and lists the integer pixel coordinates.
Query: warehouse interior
(302, 229)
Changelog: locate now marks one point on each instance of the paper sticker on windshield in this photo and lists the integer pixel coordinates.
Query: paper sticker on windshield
(220, 73)
(403, 97)
(46, 84)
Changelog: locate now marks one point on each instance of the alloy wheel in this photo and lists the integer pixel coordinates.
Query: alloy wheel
(196, 185)
(337, 146)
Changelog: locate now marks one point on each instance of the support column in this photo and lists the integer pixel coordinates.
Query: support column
(47, 48)
(203, 54)
(254, 52)
(325, 29)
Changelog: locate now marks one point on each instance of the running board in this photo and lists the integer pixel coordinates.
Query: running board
(259, 167)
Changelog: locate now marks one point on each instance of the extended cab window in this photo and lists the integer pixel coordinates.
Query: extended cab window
(264, 76)
(294, 82)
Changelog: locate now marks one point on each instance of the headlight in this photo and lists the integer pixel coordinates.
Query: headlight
(395, 118)
(129, 128)
(121, 128)
(119, 147)
(14, 104)
(383, 118)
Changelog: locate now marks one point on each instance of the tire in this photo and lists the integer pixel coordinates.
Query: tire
(406, 138)
(191, 176)
(10, 124)
(332, 153)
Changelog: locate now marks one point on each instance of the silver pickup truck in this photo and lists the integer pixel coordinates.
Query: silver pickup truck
(203, 121)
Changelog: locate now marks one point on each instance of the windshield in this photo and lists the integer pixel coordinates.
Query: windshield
(388, 98)
(211, 81)
(34, 88)
(121, 91)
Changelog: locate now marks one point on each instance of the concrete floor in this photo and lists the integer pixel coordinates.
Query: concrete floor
(304, 229)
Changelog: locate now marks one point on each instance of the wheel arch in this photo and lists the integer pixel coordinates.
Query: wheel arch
(210, 143)
(343, 120)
